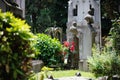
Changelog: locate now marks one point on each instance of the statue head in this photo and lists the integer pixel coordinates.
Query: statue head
(89, 16)
(73, 28)
(74, 23)
(91, 12)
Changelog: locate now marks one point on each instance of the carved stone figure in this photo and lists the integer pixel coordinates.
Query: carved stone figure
(73, 28)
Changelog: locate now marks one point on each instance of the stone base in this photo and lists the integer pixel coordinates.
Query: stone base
(37, 65)
(83, 65)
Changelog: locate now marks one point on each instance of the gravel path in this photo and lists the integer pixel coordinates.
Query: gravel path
(70, 78)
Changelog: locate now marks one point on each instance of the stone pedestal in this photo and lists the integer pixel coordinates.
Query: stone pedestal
(37, 65)
(83, 65)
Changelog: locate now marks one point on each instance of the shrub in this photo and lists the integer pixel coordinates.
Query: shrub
(115, 35)
(50, 49)
(108, 62)
(105, 64)
(16, 47)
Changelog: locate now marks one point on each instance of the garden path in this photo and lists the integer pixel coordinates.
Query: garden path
(71, 78)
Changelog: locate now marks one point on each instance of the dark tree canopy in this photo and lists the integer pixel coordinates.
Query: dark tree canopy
(110, 10)
(41, 14)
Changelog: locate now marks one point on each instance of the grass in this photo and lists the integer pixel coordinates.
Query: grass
(66, 73)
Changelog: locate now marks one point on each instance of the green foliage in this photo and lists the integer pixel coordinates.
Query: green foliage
(107, 62)
(110, 8)
(42, 14)
(104, 64)
(36, 76)
(16, 47)
(109, 11)
(115, 35)
(49, 49)
(100, 64)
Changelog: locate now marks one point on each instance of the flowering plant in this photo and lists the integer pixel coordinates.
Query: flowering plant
(68, 47)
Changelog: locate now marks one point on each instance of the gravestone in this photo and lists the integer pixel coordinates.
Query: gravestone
(37, 65)
(86, 15)
(55, 32)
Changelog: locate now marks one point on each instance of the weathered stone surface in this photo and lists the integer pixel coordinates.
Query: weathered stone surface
(87, 28)
(102, 78)
(37, 65)
(115, 77)
(18, 8)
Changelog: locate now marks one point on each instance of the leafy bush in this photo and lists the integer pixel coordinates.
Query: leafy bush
(105, 64)
(50, 49)
(16, 47)
(115, 35)
(108, 62)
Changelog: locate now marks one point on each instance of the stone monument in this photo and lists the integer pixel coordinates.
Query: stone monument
(84, 22)
(55, 32)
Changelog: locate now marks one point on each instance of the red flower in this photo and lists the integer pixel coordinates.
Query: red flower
(72, 48)
(66, 44)
(73, 43)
